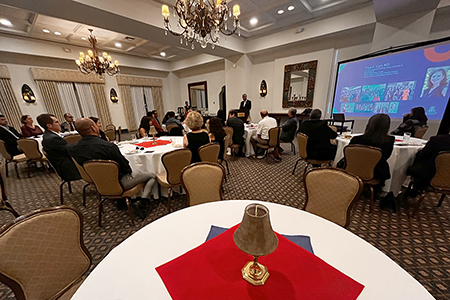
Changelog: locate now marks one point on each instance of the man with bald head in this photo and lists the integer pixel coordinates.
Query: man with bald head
(91, 146)
(262, 133)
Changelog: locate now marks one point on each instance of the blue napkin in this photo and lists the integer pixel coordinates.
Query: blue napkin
(301, 240)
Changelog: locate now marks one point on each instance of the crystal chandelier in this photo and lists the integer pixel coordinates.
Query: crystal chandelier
(91, 62)
(202, 21)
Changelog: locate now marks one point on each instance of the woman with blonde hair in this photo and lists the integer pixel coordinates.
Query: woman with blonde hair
(197, 138)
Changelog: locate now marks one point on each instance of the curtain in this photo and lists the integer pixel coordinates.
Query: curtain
(8, 104)
(158, 100)
(137, 97)
(51, 98)
(87, 102)
(200, 95)
(149, 98)
(68, 98)
(101, 103)
(127, 102)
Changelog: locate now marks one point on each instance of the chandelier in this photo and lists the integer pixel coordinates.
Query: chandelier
(202, 21)
(91, 62)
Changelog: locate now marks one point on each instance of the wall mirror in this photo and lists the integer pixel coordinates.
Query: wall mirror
(198, 96)
(299, 82)
(27, 94)
(113, 95)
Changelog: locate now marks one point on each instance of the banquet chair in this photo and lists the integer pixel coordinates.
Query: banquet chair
(110, 127)
(105, 175)
(9, 158)
(230, 131)
(331, 194)
(169, 127)
(420, 132)
(440, 183)
(340, 118)
(361, 161)
(274, 141)
(226, 142)
(176, 131)
(209, 152)
(119, 133)
(4, 204)
(291, 142)
(202, 182)
(302, 140)
(72, 138)
(173, 162)
(43, 254)
(110, 134)
(85, 177)
(30, 148)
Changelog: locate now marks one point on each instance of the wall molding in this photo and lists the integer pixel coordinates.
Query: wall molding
(138, 81)
(4, 72)
(64, 75)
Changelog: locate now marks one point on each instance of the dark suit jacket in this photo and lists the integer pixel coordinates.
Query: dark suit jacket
(248, 105)
(319, 135)
(382, 168)
(289, 130)
(10, 140)
(57, 151)
(238, 130)
(424, 168)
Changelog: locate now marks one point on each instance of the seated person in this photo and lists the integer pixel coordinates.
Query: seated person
(238, 130)
(289, 128)
(423, 169)
(144, 127)
(28, 129)
(217, 134)
(172, 120)
(197, 138)
(155, 115)
(319, 136)
(91, 146)
(221, 116)
(99, 125)
(376, 135)
(68, 125)
(412, 121)
(262, 133)
(9, 135)
(57, 148)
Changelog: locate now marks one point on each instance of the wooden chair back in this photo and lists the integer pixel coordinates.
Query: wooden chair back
(174, 162)
(72, 138)
(441, 180)
(82, 171)
(4, 152)
(110, 134)
(203, 182)
(105, 175)
(302, 140)
(420, 132)
(362, 160)
(30, 148)
(209, 152)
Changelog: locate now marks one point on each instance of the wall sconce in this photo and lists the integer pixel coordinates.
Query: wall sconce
(113, 96)
(263, 89)
(27, 94)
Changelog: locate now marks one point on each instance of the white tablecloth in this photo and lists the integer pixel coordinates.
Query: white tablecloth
(401, 158)
(128, 271)
(248, 133)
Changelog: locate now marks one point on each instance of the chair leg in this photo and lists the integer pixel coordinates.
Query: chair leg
(226, 163)
(130, 210)
(168, 199)
(46, 167)
(6, 168)
(100, 209)
(84, 194)
(293, 171)
(17, 171)
(61, 194)
(28, 169)
(70, 186)
(371, 198)
(9, 208)
(422, 197)
(306, 167)
(441, 200)
(293, 147)
(405, 196)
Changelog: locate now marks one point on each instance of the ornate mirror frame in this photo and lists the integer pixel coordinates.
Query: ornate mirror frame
(311, 66)
(192, 86)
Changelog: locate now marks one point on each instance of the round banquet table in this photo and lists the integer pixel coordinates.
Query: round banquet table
(128, 271)
(401, 158)
(249, 131)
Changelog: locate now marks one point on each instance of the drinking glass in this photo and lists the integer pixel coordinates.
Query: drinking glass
(406, 136)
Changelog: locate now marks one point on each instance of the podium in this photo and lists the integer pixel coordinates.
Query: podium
(242, 114)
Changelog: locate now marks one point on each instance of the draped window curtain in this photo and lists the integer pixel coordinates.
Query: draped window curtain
(128, 108)
(101, 103)
(68, 99)
(51, 98)
(8, 104)
(87, 101)
(141, 98)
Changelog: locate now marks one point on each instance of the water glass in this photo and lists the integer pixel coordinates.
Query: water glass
(406, 137)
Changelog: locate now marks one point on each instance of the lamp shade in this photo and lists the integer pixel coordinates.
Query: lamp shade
(255, 235)
(152, 130)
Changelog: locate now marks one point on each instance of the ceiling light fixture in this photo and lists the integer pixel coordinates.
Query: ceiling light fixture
(163, 54)
(94, 63)
(6, 22)
(57, 33)
(280, 12)
(118, 45)
(84, 38)
(253, 21)
(46, 30)
(202, 21)
(291, 8)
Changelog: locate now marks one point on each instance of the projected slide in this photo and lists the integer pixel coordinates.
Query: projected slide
(395, 83)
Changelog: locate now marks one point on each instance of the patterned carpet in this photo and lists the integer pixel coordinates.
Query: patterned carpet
(420, 245)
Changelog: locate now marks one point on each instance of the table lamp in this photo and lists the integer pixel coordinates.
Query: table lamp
(153, 132)
(255, 236)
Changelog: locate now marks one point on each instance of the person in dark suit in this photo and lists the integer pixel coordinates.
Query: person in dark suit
(9, 135)
(289, 128)
(245, 103)
(376, 135)
(319, 136)
(238, 130)
(424, 168)
(68, 125)
(57, 148)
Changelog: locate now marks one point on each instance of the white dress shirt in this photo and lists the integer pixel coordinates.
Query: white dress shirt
(265, 125)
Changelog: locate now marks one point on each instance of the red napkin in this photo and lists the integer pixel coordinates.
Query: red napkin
(152, 143)
(213, 271)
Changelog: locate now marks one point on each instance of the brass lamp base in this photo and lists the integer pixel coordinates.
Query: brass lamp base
(255, 273)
